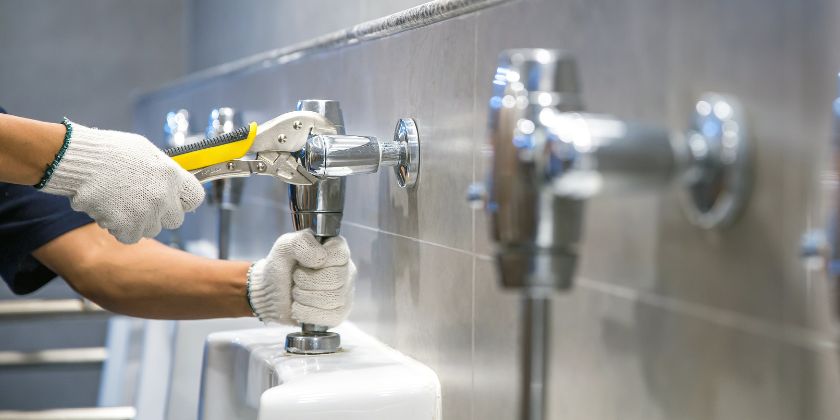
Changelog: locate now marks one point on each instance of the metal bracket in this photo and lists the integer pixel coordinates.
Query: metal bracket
(280, 165)
(408, 169)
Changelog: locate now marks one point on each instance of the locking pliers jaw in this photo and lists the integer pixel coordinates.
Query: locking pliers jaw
(273, 150)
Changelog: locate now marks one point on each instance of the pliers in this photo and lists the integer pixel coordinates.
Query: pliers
(262, 149)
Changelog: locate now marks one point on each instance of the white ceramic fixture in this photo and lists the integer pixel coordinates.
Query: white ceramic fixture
(248, 374)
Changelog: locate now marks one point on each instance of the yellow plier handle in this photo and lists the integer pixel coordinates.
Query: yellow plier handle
(214, 150)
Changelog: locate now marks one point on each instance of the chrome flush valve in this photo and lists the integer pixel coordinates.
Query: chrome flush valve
(549, 156)
(320, 206)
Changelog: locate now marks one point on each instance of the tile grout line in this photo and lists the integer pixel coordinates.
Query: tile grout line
(473, 214)
(802, 337)
(397, 235)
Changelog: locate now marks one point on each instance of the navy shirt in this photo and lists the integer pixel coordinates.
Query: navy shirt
(30, 219)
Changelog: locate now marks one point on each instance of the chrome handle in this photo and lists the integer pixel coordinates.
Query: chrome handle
(593, 153)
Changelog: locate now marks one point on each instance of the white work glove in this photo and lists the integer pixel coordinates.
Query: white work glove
(124, 182)
(302, 280)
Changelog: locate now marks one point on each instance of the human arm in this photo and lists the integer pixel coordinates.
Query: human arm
(300, 279)
(26, 148)
(147, 279)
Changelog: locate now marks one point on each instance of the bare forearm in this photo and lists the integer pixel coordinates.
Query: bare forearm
(148, 279)
(26, 148)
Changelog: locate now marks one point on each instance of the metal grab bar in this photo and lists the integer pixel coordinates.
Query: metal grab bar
(95, 413)
(82, 355)
(47, 307)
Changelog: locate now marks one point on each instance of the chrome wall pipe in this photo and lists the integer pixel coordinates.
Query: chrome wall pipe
(225, 193)
(176, 132)
(550, 156)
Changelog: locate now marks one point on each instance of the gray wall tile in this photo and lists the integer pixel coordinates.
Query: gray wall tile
(496, 358)
(442, 104)
(85, 59)
(418, 298)
(666, 321)
(221, 31)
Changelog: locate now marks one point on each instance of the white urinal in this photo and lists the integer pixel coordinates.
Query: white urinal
(248, 375)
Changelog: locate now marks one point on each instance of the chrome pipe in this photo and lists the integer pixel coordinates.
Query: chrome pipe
(535, 347)
(225, 220)
(176, 132)
(226, 193)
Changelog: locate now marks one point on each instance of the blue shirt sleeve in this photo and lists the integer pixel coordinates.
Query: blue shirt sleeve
(30, 219)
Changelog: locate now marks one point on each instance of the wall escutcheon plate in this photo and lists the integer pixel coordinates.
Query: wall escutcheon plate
(407, 136)
(717, 182)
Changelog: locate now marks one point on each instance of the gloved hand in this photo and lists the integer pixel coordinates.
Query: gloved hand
(304, 281)
(124, 182)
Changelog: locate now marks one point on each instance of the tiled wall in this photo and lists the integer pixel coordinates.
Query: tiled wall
(665, 321)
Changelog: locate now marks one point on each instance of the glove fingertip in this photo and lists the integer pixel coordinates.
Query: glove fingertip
(192, 194)
(173, 219)
(152, 231)
(125, 238)
(312, 253)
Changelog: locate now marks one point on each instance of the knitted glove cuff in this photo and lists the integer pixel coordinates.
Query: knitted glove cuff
(48, 172)
(265, 297)
(83, 155)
